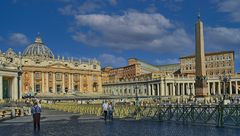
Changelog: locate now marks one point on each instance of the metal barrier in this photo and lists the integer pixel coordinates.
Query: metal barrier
(14, 112)
(216, 115)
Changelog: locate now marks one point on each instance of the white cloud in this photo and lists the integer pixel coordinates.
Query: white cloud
(67, 10)
(132, 30)
(88, 6)
(230, 6)
(222, 38)
(18, 39)
(166, 61)
(111, 60)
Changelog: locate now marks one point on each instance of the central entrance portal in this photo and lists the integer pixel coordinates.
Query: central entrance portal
(59, 88)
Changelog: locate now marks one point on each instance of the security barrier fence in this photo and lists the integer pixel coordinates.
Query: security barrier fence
(216, 115)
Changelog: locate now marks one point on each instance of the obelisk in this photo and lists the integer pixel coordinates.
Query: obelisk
(200, 81)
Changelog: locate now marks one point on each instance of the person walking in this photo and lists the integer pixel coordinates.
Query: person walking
(105, 109)
(36, 112)
(110, 111)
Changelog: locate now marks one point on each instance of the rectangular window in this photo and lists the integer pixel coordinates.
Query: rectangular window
(38, 75)
(58, 76)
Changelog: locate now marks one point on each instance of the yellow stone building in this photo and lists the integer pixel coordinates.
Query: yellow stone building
(42, 72)
(216, 63)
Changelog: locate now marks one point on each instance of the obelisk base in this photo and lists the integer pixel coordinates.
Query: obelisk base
(201, 88)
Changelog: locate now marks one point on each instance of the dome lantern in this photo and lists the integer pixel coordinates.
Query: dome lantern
(38, 39)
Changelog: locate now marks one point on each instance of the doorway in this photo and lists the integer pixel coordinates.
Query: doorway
(38, 88)
(58, 88)
(75, 87)
(6, 88)
(66, 90)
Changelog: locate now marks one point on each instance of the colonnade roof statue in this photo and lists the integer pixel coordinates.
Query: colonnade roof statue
(38, 49)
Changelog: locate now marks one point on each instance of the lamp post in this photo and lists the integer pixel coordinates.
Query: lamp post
(224, 79)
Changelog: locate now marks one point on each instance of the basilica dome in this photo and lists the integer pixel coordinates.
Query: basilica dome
(38, 49)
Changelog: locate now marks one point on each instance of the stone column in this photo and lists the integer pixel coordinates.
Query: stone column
(152, 90)
(63, 82)
(162, 89)
(149, 89)
(47, 86)
(214, 88)
(230, 87)
(171, 89)
(19, 86)
(80, 82)
(193, 89)
(183, 91)
(99, 82)
(1, 87)
(219, 87)
(178, 89)
(188, 89)
(209, 89)
(14, 88)
(158, 92)
(69, 82)
(43, 89)
(132, 90)
(54, 83)
(72, 81)
(236, 84)
(174, 89)
(127, 89)
(32, 83)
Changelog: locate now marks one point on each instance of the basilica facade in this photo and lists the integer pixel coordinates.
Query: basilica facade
(38, 70)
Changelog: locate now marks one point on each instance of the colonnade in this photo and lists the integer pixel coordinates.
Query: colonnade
(10, 87)
(171, 87)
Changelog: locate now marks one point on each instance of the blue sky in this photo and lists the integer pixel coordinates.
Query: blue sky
(156, 31)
